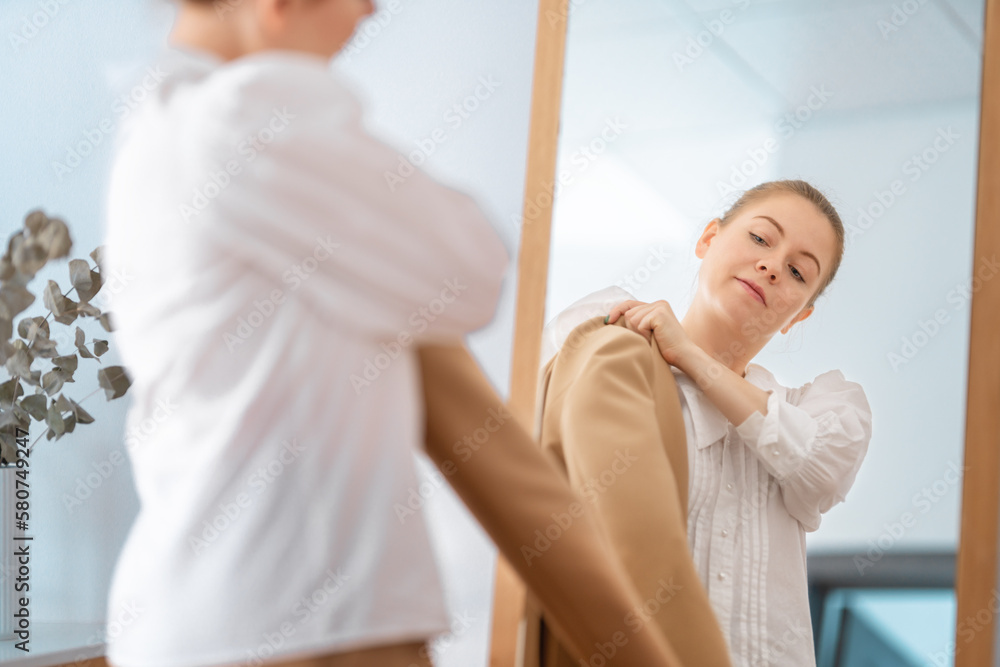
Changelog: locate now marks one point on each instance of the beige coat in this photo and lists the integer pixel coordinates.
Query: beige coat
(609, 414)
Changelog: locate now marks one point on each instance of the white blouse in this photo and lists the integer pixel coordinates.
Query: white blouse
(271, 285)
(754, 490)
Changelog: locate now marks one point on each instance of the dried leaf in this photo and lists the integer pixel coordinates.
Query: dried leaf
(19, 363)
(13, 417)
(34, 379)
(55, 238)
(30, 327)
(82, 416)
(80, 337)
(8, 390)
(6, 269)
(68, 363)
(63, 404)
(35, 405)
(16, 298)
(105, 321)
(44, 347)
(53, 298)
(29, 256)
(69, 423)
(6, 328)
(84, 308)
(97, 254)
(6, 350)
(55, 420)
(100, 346)
(8, 448)
(53, 381)
(89, 292)
(114, 380)
(79, 275)
(35, 221)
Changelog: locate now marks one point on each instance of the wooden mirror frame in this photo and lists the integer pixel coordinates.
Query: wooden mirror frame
(977, 561)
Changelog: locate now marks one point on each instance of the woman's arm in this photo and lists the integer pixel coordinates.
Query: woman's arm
(515, 491)
(733, 395)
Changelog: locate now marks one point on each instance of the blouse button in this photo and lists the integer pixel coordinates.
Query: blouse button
(775, 452)
(724, 532)
(729, 486)
(722, 575)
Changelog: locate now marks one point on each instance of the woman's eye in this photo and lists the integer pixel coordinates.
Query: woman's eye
(795, 272)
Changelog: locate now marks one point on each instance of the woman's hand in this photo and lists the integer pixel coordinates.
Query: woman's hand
(654, 319)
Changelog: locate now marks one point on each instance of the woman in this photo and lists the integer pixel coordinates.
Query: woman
(275, 292)
(765, 461)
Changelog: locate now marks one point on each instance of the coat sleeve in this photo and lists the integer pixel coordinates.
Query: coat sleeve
(812, 443)
(346, 223)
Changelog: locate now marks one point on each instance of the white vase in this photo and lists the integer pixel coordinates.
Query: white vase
(8, 565)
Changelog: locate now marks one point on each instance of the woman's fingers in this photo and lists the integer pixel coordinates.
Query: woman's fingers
(621, 308)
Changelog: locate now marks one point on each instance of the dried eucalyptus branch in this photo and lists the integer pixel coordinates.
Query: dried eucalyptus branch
(28, 250)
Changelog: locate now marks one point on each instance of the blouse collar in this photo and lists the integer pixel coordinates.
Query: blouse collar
(710, 425)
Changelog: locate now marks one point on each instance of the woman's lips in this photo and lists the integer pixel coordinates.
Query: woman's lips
(751, 290)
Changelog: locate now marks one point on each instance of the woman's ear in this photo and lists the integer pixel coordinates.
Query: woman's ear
(806, 312)
(711, 230)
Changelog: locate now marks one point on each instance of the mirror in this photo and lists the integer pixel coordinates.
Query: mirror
(671, 109)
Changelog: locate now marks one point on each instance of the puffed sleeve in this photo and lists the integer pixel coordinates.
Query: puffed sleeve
(374, 245)
(813, 443)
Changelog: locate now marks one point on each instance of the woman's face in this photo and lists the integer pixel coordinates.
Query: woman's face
(781, 244)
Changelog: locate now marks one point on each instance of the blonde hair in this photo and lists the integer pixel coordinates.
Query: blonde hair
(807, 191)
